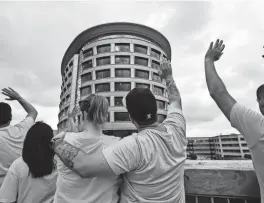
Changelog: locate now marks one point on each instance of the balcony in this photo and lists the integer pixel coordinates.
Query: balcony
(221, 181)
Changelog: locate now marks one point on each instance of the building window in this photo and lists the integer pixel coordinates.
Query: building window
(158, 90)
(87, 64)
(122, 47)
(155, 65)
(71, 64)
(160, 104)
(122, 116)
(122, 60)
(118, 101)
(164, 57)
(103, 61)
(142, 85)
(122, 73)
(142, 74)
(122, 86)
(155, 53)
(244, 145)
(86, 90)
(70, 74)
(102, 74)
(246, 151)
(140, 49)
(67, 98)
(103, 48)
(156, 77)
(232, 150)
(160, 118)
(105, 87)
(87, 53)
(86, 77)
(141, 61)
(69, 85)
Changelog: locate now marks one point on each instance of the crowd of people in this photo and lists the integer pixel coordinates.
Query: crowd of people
(84, 165)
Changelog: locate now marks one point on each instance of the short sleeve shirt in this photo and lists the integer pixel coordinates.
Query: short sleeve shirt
(251, 125)
(152, 162)
(11, 144)
(18, 186)
(73, 188)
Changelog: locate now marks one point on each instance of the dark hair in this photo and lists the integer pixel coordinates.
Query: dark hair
(260, 90)
(142, 106)
(37, 152)
(5, 113)
(96, 108)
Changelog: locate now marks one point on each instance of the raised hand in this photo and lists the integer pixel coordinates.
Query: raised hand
(73, 113)
(215, 51)
(12, 94)
(165, 69)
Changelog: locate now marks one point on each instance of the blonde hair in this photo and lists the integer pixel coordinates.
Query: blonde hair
(96, 108)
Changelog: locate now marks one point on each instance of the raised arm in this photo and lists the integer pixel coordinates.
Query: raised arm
(13, 95)
(216, 87)
(72, 127)
(165, 72)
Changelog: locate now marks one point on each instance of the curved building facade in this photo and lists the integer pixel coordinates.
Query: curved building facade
(111, 59)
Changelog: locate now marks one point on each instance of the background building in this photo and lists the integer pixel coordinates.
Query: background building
(231, 146)
(111, 59)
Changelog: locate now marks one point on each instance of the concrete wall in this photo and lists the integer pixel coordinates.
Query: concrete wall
(222, 178)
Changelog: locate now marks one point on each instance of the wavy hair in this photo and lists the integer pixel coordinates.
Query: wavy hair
(37, 153)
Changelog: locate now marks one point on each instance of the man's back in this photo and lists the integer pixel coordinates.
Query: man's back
(11, 144)
(154, 162)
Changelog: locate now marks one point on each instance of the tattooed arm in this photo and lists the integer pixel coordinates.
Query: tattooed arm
(86, 165)
(165, 72)
(175, 121)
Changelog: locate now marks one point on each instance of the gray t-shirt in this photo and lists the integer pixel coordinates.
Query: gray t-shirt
(251, 125)
(20, 187)
(11, 144)
(152, 162)
(73, 188)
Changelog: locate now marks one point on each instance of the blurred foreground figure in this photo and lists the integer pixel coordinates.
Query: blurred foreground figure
(12, 137)
(32, 177)
(248, 122)
(151, 160)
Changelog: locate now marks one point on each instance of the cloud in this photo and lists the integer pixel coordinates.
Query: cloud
(33, 42)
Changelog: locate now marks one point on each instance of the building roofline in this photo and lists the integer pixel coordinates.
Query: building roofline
(114, 28)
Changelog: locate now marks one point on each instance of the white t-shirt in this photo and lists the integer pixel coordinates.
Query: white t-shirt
(20, 187)
(11, 144)
(251, 125)
(152, 162)
(73, 188)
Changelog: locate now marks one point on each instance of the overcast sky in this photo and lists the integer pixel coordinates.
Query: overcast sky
(34, 37)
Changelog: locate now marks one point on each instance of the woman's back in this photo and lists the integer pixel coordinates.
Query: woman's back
(73, 188)
(20, 187)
